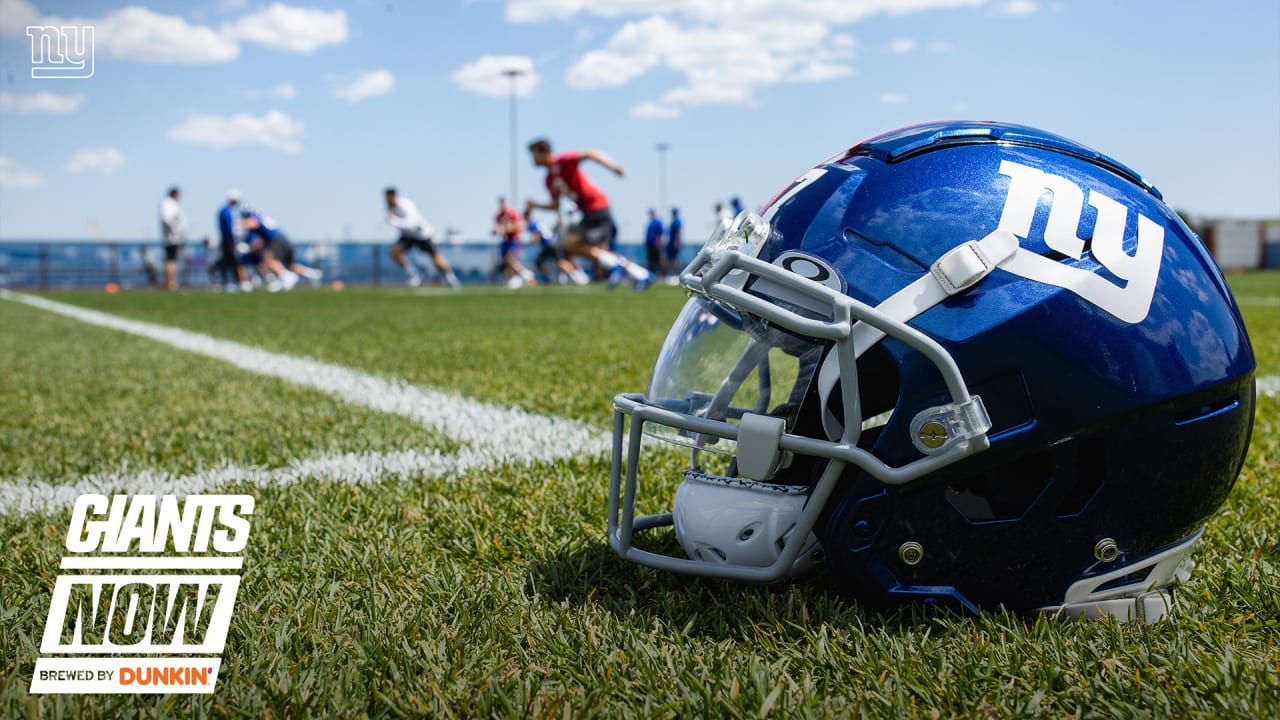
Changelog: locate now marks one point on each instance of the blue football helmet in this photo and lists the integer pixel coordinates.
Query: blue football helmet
(966, 362)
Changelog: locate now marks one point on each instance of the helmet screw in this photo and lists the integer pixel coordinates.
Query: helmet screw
(862, 528)
(1106, 550)
(911, 552)
(933, 435)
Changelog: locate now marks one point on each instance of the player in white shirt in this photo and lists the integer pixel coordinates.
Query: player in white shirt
(415, 231)
(173, 226)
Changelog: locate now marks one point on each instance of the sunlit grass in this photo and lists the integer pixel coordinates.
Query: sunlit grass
(494, 593)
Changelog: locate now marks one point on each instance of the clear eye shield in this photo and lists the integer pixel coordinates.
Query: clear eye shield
(745, 350)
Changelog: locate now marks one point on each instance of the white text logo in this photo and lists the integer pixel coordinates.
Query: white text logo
(61, 52)
(1129, 302)
(105, 628)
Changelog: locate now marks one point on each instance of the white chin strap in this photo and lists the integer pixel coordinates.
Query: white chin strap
(959, 269)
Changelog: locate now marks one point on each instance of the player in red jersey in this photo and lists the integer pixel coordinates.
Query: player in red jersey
(590, 237)
(507, 225)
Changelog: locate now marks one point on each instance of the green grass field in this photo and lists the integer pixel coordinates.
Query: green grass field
(492, 592)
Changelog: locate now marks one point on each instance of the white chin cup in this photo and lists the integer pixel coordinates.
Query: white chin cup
(741, 522)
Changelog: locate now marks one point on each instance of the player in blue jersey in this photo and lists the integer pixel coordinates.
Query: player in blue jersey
(230, 272)
(264, 236)
(653, 243)
(675, 233)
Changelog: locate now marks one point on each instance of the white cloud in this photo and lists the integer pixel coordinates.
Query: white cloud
(16, 15)
(1019, 7)
(654, 110)
(902, 46)
(892, 98)
(294, 29)
(143, 35)
(939, 46)
(724, 51)
(15, 176)
(41, 102)
(132, 33)
(726, 12)
(104, 161)
(720, 64)
(274, 130)
(370, 84)
(484, 76)
(138, 34)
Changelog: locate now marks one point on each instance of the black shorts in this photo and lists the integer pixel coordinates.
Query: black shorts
(596, 227)
(549, 253)
(426, 245)
(653, 256)
(281, 249)
(171, 252)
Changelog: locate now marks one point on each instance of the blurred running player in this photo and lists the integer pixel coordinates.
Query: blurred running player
(264, 236)
(415, 232)
(590, 237)
(507, 226)
(551, 260)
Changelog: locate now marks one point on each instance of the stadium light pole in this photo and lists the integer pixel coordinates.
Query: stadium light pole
(513, 73)
(662, 149)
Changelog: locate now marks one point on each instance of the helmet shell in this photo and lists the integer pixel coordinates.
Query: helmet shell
(1108, 422)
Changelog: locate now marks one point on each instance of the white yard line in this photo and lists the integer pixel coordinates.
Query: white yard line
(489, 435)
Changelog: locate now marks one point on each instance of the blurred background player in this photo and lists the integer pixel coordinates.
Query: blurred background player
(675, 236)
(735, 202)
(551, 260)
(653, 243)
(507, 226)
(173, 226)
(415, 232)
(231, 273)
(264, 236)
(723, 216)
(591, 236)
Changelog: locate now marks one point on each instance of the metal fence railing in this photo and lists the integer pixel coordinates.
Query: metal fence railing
(53, 264)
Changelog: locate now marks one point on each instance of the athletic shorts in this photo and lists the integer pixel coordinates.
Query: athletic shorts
(596, 227)
(672, 251)
(509, 247)
(426, 245)
(653, 256)
(171, 252)
(549, 253)
(281, 249)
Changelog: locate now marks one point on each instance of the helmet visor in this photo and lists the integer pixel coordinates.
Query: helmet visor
(718, 364)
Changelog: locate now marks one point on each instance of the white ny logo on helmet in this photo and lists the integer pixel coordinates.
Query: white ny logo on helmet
(1130, 301)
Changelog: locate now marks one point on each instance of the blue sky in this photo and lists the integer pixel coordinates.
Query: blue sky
(310, 109)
